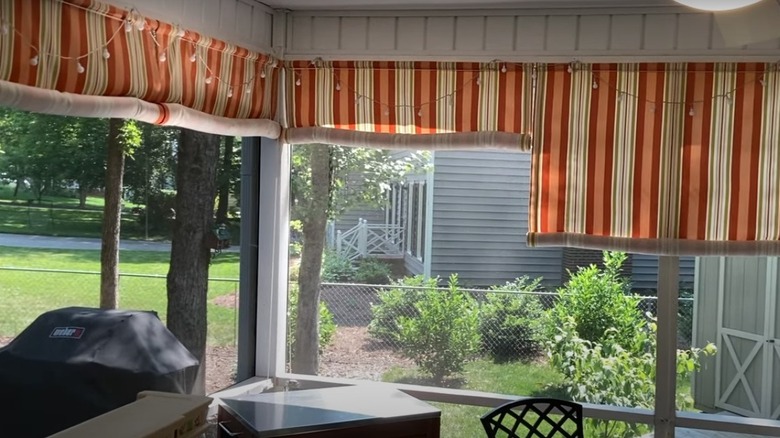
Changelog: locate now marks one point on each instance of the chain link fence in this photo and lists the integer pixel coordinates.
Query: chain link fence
(361, 306)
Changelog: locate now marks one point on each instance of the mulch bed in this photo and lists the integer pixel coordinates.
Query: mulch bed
(353, 355)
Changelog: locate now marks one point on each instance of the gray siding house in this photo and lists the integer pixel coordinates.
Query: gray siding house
(469, 215)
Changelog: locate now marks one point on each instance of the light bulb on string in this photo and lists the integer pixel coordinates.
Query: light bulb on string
(140, 24)
(162, 57)
(79, 68)
(262, 74)
(762, 81)
(691, 112)
(34, 61)
(248, 89)
(569, 69)
(620, 96)
(338, 86)
(208, 80)
(728, 98)
(128, 25)
(106, 53)
(387, 111)
(595, 85)
(230, 92)
(193, 57)
(298, 82)
(503, 68)
(479, 81)
(420, 113)
(4, 28)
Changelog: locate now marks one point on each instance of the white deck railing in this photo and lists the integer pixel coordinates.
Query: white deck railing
(364, 240)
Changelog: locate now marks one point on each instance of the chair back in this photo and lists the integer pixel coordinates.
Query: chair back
(535, 418)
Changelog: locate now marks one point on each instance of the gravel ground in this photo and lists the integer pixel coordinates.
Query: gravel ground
(353, 355)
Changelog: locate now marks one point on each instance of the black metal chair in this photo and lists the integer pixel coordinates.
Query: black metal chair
(535, 418)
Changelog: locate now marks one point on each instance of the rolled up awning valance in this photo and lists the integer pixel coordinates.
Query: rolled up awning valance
(658, 158)
(87, 48)
(409, 98)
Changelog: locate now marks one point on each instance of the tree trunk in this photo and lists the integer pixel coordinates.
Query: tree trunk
(112, 215)
(189, 269)
(83, 189)
(19, 182)
(224, 181)
(306, 348)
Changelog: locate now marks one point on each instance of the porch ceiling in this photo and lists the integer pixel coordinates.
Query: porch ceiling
(460, 4)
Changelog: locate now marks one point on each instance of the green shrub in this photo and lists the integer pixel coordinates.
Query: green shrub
(161, 206)
(396, 303)
(606, 373)
(371, 270)
(510, 322)
(336, 268)
(444, 334)
(598, 300)
(326, 327)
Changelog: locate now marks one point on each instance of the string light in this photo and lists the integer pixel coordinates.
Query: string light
(691, 112)
(298, 82)
(503, 68)
(595, 85)
(569, 69)
(338, 86)
(230, 92)
(419, 113)
(128, 22)
(479, 81)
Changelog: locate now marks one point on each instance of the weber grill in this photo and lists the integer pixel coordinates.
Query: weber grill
(76, 363)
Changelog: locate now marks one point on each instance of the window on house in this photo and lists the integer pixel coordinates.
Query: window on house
(415, 225)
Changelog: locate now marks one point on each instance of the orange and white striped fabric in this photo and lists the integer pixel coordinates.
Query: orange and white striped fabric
(410, 97)
(59, 31)
(658, 158)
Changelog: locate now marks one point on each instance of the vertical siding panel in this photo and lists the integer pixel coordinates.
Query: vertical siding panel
(354, 34)
(499, 33)
(693, 31)
(530, 35)
(626, 32)
(469, 33)
(561, 33)
(660, 32)
(301, 32)
(411, 34)
(705, 329)
(594, 32)
(440, 33)
(381, 33)
(325, 33)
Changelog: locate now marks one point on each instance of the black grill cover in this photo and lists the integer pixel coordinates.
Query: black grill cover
(76, 363)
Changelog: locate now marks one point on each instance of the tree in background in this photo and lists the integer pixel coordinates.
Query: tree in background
(321, 189)
(226, 179)
(123, 137)
(187, 284)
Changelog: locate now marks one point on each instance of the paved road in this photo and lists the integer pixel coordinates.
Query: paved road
(30, 241)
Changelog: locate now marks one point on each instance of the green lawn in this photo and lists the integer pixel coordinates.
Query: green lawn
(25, 295)
(7, 196)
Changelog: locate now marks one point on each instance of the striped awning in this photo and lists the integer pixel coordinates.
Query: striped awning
(658, 158)
(90, 48)
(405, 98)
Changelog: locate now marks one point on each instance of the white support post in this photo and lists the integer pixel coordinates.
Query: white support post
(666, 351)
(363, 238)
(273, 241)
(338, 242)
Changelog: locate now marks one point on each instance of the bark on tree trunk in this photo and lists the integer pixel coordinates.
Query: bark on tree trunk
(189, 269)
(83, 189)
(112, 215)
(224, 181)
(306, 349)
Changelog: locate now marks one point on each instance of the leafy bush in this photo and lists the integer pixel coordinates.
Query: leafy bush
(371, 270)
(336, 268)
(326, 326)
(510, 322)
(598, 300)
(395, 303)
(444, 334)
(607, 373)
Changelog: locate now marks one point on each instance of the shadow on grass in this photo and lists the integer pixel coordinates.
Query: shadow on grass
(551, 391)
(451, 383)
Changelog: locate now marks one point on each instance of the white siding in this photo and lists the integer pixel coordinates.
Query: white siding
(480, 220)
(644, 273)
(552, 35)
(247, 23)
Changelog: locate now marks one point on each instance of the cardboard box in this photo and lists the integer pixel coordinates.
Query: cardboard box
(152, 415)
